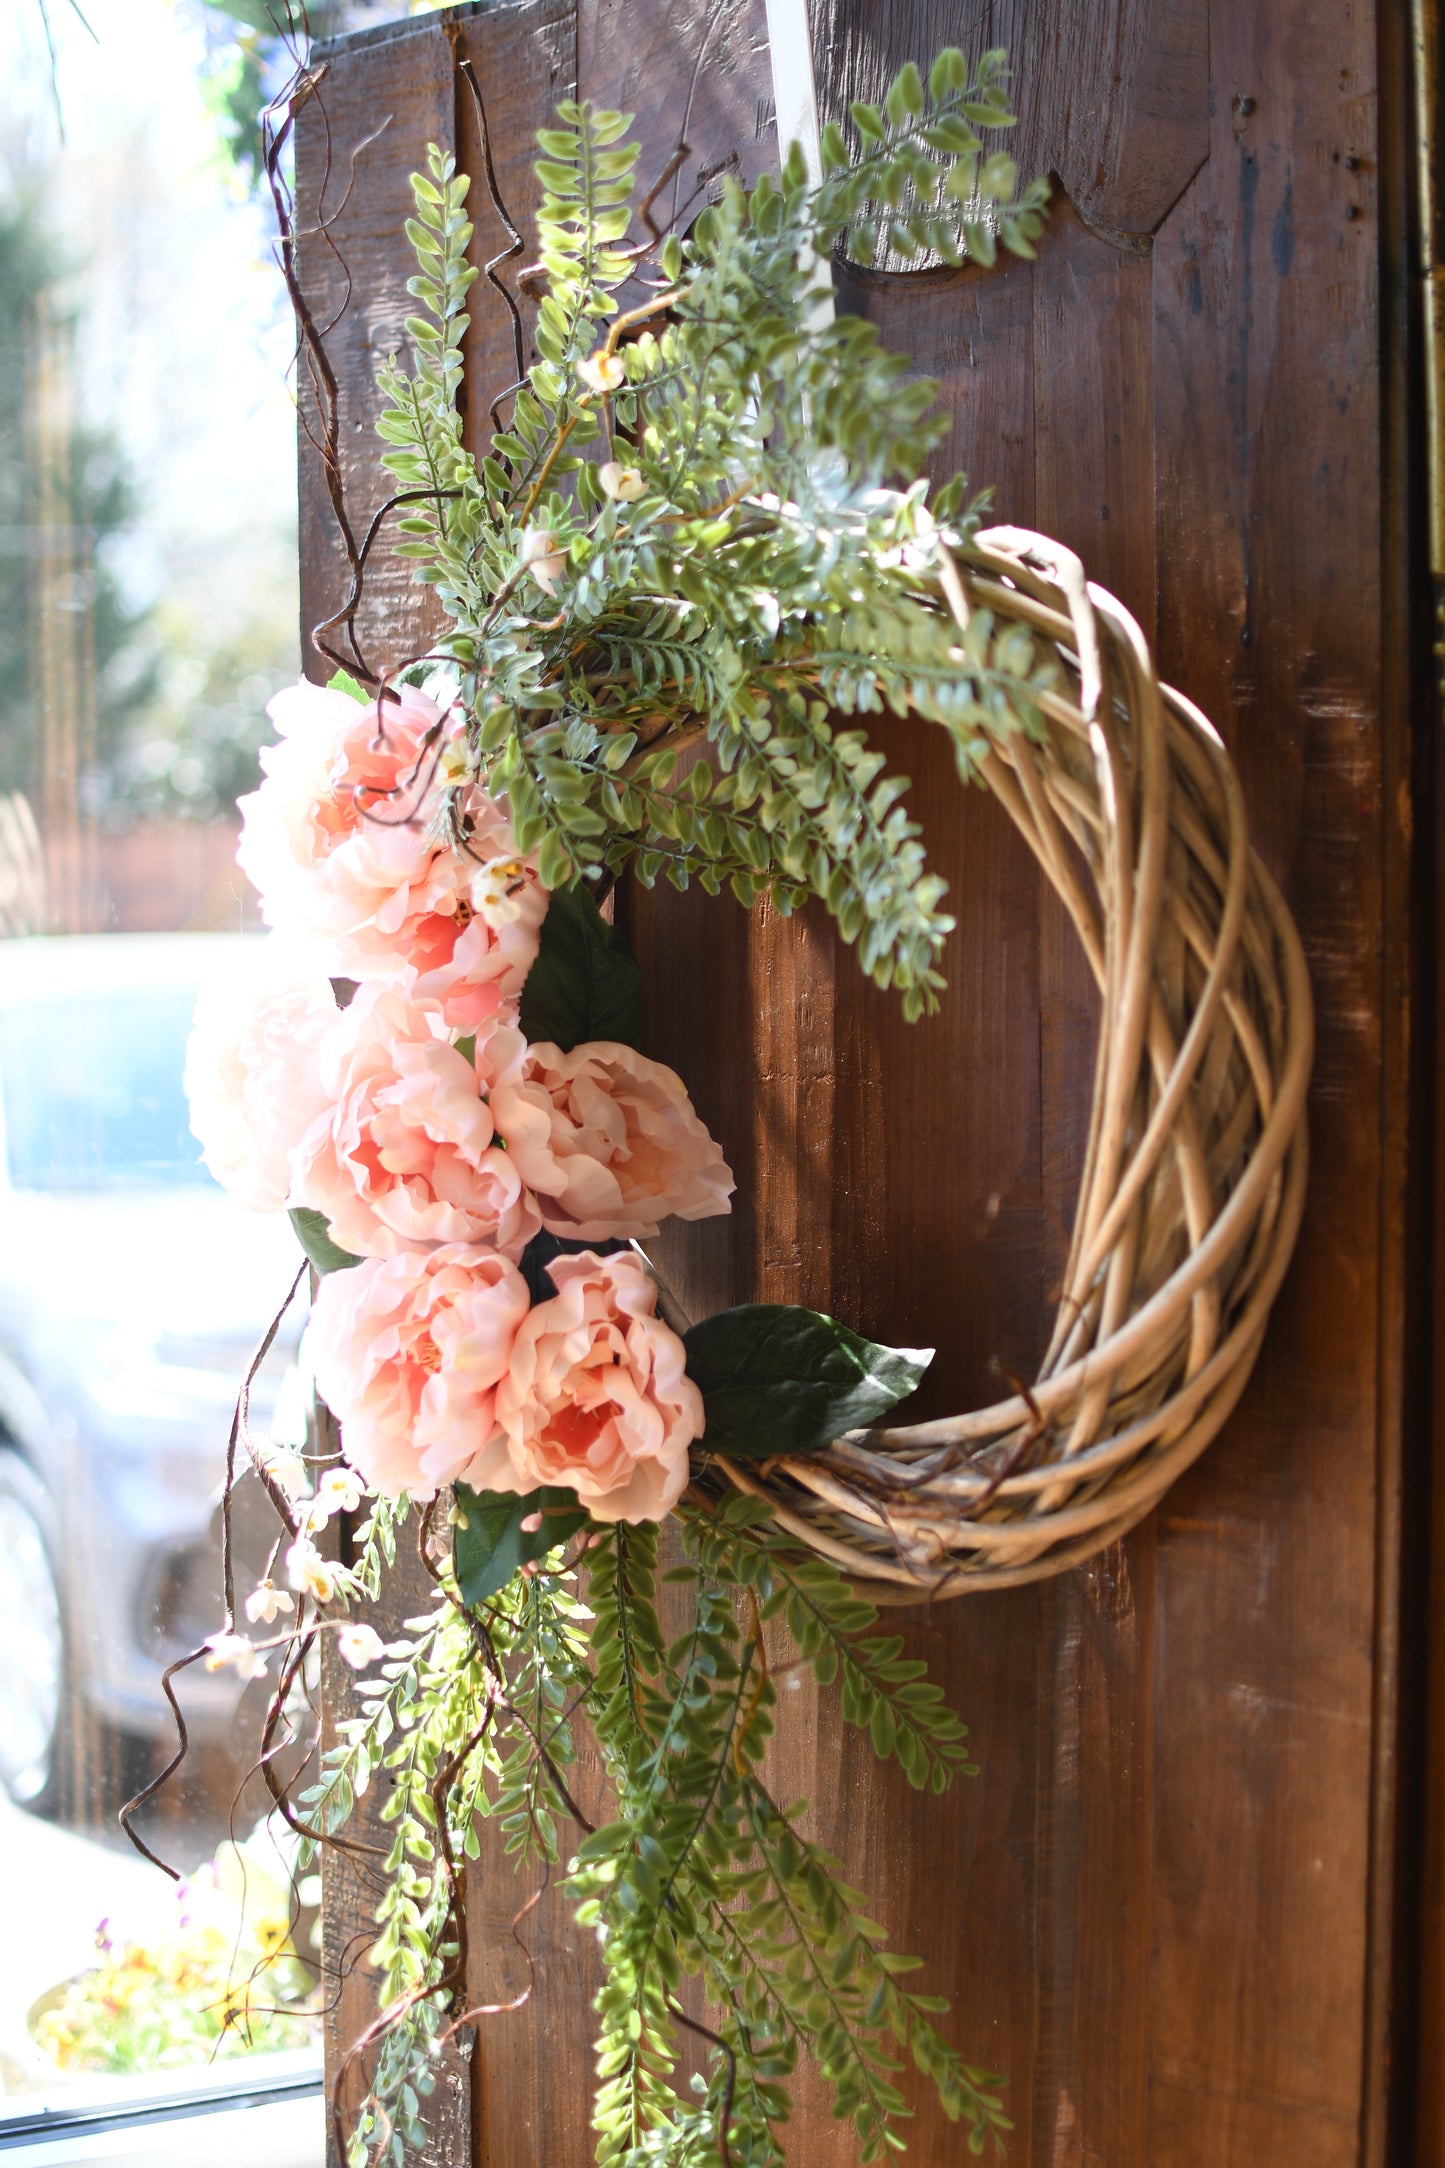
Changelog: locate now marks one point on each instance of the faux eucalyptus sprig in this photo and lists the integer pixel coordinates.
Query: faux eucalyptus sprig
(700, 1873)
(685, 538)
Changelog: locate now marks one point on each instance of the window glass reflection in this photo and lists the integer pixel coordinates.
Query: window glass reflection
(148, 611)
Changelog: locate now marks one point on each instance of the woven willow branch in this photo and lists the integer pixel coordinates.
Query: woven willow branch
(1195, 1170)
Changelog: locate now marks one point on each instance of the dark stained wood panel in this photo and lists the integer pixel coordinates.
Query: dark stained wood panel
(1113, 96)
(709, 61)
(524, 56)
(1152, 1905)
(357, 143)
(1266, 376)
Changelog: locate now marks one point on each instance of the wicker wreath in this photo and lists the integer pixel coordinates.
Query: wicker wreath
(1194, 1176)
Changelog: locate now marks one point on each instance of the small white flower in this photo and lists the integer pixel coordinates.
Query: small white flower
(237, 1650)
(497, 891)
(602, 371)
(266, 1602)
(455, 765)
(359, 1645)
(309, 1572)
(624, 483)
(288, 1472)
(540, 556)
(339, 1491)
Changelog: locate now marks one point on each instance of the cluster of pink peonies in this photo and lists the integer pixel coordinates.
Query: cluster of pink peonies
(434, 1140)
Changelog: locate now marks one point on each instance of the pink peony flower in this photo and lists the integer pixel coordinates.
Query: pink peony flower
(253, 1066)
(405, 1153)
(596, 1396)
(609, 1142)
(342, 841)
(408, 1353)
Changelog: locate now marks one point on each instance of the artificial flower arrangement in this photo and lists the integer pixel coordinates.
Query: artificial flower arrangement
(679, 539)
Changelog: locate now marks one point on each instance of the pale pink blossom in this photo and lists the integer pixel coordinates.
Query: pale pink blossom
(609, 1142)
(541, 556)
(359, 1645)
(237, 1650)
(339, 1491)
(624, 484)
(406, 1153)
(603, 371)
(266, 1602)
(252, 1065)
(409, 1351)
(308, 1572)
(596, 1396)
(344, 841)
(286, 1469)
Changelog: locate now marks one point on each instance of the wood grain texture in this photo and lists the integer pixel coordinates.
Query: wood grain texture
(382, 99)
(1152, 1906)
(525, 59)
(532, 2066)
(1112, 95)
(1157, 1889)
(696, 72)
(1269, 427)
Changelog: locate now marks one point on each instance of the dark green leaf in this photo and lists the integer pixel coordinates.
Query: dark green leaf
(492, 1546)
(586, 983)
(778, 1379)
(314, 1235)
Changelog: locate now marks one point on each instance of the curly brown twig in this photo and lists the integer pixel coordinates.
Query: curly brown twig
(277, 126)
(451, 1976)
(725, 2111)
(515, 245)
(482, 1641)
(240, 1434)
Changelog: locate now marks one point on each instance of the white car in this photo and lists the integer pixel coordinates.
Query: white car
(132, 1293)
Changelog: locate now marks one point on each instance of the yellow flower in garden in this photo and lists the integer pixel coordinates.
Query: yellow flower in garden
(226, 1980)
(273, 1935)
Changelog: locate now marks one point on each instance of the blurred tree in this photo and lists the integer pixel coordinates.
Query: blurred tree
(65, 502)
(112, 712)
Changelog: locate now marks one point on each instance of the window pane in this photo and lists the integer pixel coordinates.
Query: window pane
(147, 613)
(92, 1096)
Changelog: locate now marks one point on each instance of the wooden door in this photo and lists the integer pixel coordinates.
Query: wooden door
(1169, 1904)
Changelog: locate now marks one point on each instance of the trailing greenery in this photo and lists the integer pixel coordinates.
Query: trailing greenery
(699, 1873)
(683, 539)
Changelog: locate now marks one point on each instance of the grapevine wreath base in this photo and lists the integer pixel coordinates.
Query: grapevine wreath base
(1197, 1156)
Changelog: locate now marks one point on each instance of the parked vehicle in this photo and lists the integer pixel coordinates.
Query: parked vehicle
(132, 1293)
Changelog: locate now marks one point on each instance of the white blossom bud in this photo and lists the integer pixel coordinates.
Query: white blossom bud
(542, 558)
(359, 1645)
(602, 371)
(623, 483)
